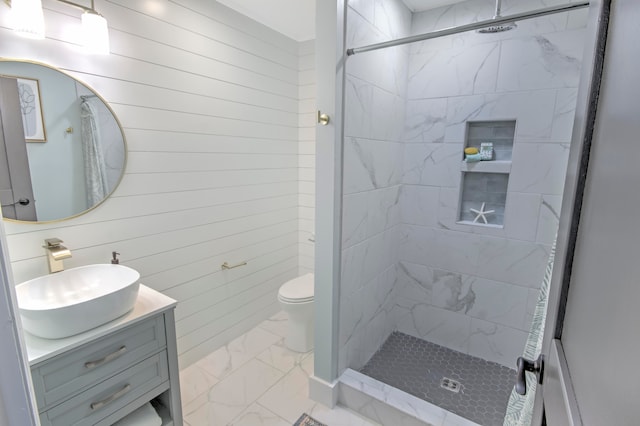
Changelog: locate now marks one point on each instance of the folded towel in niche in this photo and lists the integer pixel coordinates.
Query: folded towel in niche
(143, 416)
(472, 158)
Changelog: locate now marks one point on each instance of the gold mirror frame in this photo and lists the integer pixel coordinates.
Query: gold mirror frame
(115, 117)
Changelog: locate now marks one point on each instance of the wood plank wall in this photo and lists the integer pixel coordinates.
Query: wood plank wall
(210, 102)
(307, 154)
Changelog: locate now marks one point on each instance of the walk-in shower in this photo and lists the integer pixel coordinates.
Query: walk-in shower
(443, 256)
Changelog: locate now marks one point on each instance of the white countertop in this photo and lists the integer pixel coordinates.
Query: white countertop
(149, 303)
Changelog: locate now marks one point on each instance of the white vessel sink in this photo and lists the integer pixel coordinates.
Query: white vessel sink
(76, 300)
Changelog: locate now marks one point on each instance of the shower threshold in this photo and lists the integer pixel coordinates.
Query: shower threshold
(467, 386)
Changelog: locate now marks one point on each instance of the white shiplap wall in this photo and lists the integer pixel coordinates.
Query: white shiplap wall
(306, 155)
(209, 101)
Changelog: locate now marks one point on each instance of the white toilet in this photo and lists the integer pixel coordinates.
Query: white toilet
(296, 299)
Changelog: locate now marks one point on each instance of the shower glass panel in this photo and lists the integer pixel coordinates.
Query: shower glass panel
(418, 263)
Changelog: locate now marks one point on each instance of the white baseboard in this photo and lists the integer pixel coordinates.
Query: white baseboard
(323, 392)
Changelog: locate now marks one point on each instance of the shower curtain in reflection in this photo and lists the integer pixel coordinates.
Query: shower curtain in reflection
(95, 170)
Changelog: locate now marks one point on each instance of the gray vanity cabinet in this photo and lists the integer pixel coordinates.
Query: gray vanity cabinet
(108, 377)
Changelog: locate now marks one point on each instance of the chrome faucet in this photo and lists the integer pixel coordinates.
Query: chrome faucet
(56, 252)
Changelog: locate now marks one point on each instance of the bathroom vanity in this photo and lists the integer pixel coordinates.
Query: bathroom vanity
(102, 375)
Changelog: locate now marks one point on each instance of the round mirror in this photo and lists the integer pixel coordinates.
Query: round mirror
(62, 150)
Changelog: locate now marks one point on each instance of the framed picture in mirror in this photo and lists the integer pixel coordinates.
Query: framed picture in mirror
(31, 108)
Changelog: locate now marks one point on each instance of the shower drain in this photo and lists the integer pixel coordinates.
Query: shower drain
(450, 385)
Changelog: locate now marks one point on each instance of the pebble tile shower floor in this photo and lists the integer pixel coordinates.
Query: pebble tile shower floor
(418, 367)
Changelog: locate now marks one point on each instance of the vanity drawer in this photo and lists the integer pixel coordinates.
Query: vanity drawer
(64, 376)
(98, 402)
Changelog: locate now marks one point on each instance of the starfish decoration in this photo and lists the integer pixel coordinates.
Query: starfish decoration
(482, 213)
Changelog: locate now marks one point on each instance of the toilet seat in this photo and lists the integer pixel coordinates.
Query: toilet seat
(297, 290)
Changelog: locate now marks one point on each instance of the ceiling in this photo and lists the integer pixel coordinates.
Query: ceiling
(299, 21)
(294, 18)
(422, 5)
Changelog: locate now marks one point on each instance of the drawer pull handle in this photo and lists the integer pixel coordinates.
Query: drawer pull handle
(110, 357)
(109, 399)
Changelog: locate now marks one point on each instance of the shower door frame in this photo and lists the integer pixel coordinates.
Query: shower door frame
(332, 138)
(556, 400)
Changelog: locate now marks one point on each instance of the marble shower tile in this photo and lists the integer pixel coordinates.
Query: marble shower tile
(354, 218)
(433, 19)
(512, 261)
(365, 8)
(452, 291)
(385, 404)
(578, 19)
(551, 60)
(425, 120)
(419, 205)
(453, 72)
(521, 215)
(532, 110)
(387, 115)
(380, 253)
(391, 77)
(549, 218)
(367, 298)
(352, 269)
(498, 302)
(373, 112)
(564, 115)
(383, 207)
(233, 355)
(415, 282)
(442, 249)
(372, 164)
(539, 168)
(351, 319)
(358, 99)
(532, 300)
(439, 326)
(360, 27)
(231, 396)
(432, 164)
(392, 17)
(496, 343)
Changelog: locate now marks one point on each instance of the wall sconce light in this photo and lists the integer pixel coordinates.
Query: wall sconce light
(28, 18)
(29, 21)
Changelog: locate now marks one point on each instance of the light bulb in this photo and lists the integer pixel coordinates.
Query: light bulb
(28, 18)
(96, 32)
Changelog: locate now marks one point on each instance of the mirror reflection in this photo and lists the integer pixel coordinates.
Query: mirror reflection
(62, 151)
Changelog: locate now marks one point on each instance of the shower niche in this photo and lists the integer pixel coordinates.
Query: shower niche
(483, 190)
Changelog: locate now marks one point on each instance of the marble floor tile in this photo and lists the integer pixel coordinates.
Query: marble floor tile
(277, 324)
(232, 395)
(289, 398)
(194, 381)
(232, 356)
(256, 381)
(257, 415)
(282, 358)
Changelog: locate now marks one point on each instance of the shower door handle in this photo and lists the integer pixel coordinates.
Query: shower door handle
(524, 365)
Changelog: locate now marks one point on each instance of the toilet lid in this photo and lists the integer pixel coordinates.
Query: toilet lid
(298, 289)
